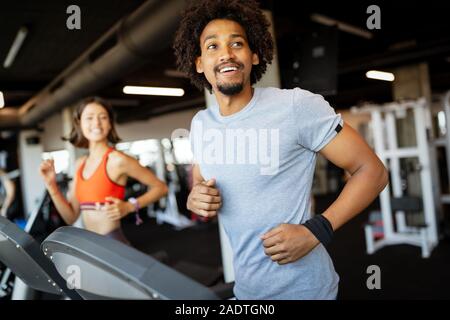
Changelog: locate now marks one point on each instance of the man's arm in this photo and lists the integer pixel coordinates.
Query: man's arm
(287, 243)
(368, 176)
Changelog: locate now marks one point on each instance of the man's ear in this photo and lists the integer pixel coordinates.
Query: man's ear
(199, 65)
(255, 59)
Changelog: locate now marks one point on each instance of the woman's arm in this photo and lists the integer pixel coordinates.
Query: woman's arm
(68, 209)
(132, 168)
(10, 189)
(157, 188)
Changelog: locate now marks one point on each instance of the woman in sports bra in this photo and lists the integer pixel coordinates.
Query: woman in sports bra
(98, 188)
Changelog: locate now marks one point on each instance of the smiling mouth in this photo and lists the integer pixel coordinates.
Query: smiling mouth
(229, 68)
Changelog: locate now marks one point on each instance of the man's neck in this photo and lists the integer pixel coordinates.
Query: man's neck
(229, 105)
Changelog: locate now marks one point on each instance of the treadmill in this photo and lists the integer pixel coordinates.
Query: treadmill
(22, 255)
(103, 268)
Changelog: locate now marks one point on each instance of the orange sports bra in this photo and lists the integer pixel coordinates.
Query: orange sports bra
(96, 188)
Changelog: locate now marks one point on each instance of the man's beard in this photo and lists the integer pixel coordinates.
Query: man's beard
(230, 89)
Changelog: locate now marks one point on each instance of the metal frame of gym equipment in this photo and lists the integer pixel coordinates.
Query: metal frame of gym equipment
(20, 291)
(384, 125)
(171, 213)
(445, 198)
(442, 141)
(22, 256)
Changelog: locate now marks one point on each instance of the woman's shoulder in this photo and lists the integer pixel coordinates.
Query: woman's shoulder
(119, 158)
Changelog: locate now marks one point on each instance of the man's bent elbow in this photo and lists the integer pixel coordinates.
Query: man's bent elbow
(384, 177)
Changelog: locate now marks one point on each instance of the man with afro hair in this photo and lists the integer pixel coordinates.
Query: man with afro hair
(255, 153)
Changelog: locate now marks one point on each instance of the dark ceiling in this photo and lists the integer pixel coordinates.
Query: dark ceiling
(410, 33)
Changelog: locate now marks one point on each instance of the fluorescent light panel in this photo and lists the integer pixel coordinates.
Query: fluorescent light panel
(154, 91)
(380, 75)
(17, 44)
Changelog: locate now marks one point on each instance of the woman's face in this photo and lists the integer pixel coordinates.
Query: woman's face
(95, 123)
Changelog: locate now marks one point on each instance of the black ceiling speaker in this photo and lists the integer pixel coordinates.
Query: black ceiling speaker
(315, 61)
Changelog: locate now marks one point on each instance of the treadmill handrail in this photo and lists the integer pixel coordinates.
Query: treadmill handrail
(136, 267)
(29, 247)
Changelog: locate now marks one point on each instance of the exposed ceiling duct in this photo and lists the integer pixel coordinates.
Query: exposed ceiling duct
(9, 119)
(127, 45)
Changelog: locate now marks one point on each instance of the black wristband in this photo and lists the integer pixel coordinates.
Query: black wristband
(321, 228)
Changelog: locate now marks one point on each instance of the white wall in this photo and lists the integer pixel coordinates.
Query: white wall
(53, 131)
(30, 159)
(156, 128)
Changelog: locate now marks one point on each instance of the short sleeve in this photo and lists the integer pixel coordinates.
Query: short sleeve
(316, 121)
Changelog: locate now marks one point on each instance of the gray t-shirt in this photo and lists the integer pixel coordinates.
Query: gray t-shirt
(263, 159)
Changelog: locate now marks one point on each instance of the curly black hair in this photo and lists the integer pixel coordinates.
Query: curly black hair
(199, 13)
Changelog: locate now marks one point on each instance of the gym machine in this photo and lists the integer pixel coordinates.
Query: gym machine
(386, 145)
(108, 269)
(22, 255)
(41, 222)
(84, 265)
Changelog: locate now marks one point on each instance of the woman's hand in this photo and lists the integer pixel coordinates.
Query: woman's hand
(116, 209)
(48, 173)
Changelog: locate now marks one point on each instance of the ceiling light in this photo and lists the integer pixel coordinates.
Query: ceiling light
(17, 44)
(154, 91)
(380, 75)
(343, 26)
(2, 100)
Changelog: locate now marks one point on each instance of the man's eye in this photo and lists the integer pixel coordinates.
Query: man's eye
(211, 46)
(237, 44)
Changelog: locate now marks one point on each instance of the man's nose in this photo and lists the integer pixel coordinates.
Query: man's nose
(226, 54)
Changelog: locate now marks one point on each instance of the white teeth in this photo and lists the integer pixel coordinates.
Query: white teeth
(228, 69)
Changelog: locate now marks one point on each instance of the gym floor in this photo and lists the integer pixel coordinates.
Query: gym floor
(404, 274)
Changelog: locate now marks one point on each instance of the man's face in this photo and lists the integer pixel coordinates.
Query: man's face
(226, 58)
